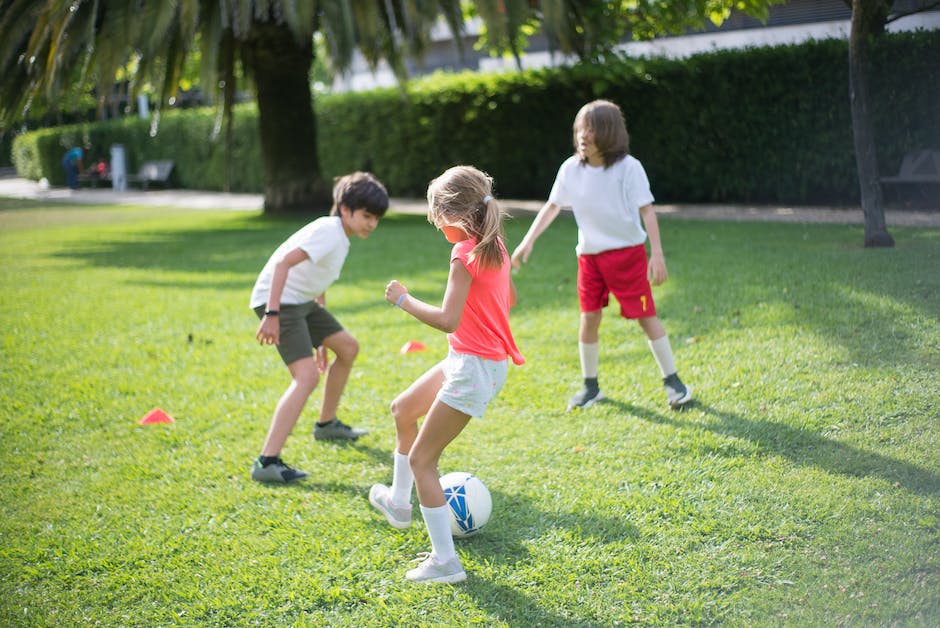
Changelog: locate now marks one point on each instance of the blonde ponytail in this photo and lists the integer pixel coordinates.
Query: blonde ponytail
(463, 196)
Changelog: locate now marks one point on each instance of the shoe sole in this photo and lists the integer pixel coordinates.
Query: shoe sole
(448, 579)
(267, 481)
(395, 523)
(351, 438)
(600, 397)
(279, 480)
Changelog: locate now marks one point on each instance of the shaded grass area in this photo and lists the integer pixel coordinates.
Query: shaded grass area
(802, 488)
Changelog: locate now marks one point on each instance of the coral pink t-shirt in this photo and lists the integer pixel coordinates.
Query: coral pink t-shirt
(484, 327)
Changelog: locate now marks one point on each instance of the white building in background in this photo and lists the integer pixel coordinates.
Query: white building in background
(790, 23)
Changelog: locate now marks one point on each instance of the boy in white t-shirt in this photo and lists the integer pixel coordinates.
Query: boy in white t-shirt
(289, 297)
(609, 194)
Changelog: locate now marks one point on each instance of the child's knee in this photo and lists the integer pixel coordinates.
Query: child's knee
(345, 346)
(399, 411)
(418, 460)
(307, 382)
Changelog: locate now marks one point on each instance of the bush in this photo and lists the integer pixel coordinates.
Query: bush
(762, 125)
(187, 137)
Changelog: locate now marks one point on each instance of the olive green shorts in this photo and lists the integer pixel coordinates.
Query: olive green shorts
(303, 328)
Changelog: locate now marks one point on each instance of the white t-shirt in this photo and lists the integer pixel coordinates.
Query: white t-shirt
(606, 202)
(326, 245)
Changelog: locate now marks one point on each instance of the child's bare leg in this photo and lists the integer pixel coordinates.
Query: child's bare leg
(414, 403)
(441, 426)
(304, 378)
(590, 326)
(345, 348)
(651, 326)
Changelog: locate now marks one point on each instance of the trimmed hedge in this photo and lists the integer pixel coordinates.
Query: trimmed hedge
(768, 124)
(185, 136)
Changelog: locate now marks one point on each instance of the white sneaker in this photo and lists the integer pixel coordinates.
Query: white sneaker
(381, 498)
(431, 570)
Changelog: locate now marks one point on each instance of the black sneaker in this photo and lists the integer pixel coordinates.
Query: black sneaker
(677, 393)
(586, 397)
(276, 471)
(336, 430)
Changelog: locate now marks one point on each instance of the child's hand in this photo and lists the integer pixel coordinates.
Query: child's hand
(323, 359)
(521, 255)
(393, 292)
(269, 331)
(657, 270)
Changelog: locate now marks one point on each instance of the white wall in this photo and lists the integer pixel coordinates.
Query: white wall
(361, 77)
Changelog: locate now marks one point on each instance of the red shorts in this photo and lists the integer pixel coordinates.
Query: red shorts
(621, 272)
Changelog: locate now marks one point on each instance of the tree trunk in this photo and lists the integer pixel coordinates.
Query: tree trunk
(865, 23)
(280, 67)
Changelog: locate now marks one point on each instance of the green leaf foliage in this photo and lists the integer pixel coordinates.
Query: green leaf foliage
(758, 125)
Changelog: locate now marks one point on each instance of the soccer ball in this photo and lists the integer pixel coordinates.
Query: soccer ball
(469, 503)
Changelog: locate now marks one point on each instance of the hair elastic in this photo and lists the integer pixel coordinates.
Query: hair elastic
(487, 199)
(401, 298)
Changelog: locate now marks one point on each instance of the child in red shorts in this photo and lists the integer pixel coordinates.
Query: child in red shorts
(609, 194)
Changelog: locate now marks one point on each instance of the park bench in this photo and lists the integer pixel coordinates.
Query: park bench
(157, 171)
(919, 170)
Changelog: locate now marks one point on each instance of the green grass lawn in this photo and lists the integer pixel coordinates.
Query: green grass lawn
(802, 488)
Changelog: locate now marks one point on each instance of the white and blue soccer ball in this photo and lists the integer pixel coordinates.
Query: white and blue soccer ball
(468, 501)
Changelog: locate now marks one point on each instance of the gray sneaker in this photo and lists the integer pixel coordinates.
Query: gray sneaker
(431, 570)
(276, 471)
(336, 430)
(380, 496)
(677, 393)
(585, 398)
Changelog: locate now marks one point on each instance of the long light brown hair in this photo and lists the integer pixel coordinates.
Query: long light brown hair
(463, 197)
(610, 130)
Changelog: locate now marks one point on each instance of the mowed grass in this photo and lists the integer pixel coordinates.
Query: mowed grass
(802, 488)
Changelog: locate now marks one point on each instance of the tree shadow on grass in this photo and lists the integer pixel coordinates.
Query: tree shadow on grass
(812, 279)
(504, 543)
(245, 247)
(802, 447)
(510, 605)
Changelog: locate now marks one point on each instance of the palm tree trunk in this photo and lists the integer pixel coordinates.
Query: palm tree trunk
(864, 21)
(280, 67)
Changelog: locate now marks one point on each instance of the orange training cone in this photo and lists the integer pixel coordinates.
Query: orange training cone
(156, 416)
(411, 346)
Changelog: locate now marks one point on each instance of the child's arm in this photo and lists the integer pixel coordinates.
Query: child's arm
(544, 218)
(447, 317)
(657, 264)
(269, 330)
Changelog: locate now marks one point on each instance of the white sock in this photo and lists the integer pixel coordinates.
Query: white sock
(662, 351)
(437, 521)
(402, 480)
(590, 356)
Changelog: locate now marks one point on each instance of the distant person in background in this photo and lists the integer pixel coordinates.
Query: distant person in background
(72, 162)
(99, 171)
